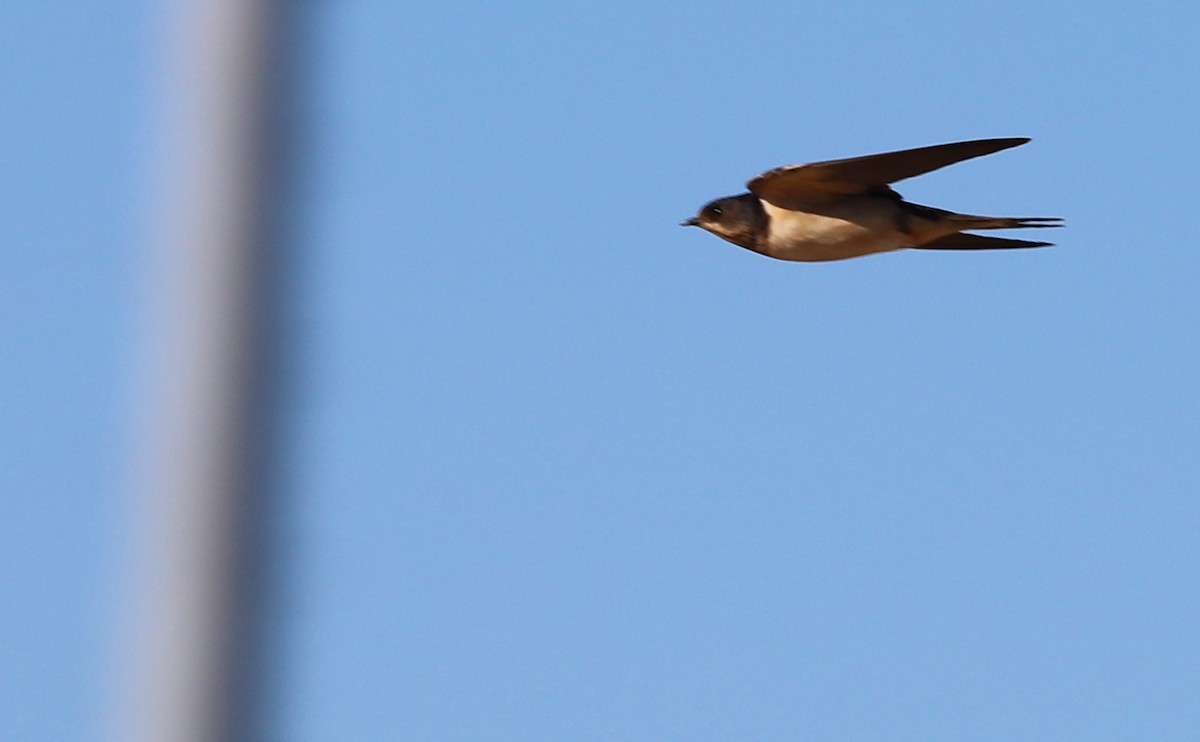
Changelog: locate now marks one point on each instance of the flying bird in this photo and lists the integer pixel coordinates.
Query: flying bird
(840, 209)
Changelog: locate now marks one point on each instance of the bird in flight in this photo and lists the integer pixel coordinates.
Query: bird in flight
(841, 209)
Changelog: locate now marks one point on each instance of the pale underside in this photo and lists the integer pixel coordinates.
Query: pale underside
(847, 228)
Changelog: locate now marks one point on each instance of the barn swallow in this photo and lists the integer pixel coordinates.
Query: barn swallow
(840, 209)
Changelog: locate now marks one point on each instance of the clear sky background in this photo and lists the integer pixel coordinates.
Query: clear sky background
(559, 469)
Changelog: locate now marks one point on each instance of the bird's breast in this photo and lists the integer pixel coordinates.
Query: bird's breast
(845, 228)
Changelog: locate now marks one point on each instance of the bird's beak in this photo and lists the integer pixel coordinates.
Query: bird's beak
(689, 222)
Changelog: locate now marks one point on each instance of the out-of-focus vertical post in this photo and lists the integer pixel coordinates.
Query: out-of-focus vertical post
(198, 670)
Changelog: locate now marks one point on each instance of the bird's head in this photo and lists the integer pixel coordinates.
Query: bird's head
(737, 219)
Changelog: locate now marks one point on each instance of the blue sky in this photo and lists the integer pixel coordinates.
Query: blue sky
(559, 469)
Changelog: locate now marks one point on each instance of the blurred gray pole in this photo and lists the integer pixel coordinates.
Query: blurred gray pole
(199, 670)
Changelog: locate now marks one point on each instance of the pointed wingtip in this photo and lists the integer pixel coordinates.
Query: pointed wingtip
(1009, 142)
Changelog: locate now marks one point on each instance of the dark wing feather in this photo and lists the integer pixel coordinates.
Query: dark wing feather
(822, 181)
(964, 241)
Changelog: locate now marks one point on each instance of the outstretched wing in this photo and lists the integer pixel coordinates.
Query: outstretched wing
(823, 181)
(966, 241)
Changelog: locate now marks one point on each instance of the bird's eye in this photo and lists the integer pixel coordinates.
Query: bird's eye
(714, 212)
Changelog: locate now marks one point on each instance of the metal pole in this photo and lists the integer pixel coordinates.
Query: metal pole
(198, 665)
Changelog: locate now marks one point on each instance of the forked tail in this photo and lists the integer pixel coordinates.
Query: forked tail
(964, 241)
(968, 221)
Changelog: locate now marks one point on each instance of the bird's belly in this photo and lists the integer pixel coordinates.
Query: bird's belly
(806, 236)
